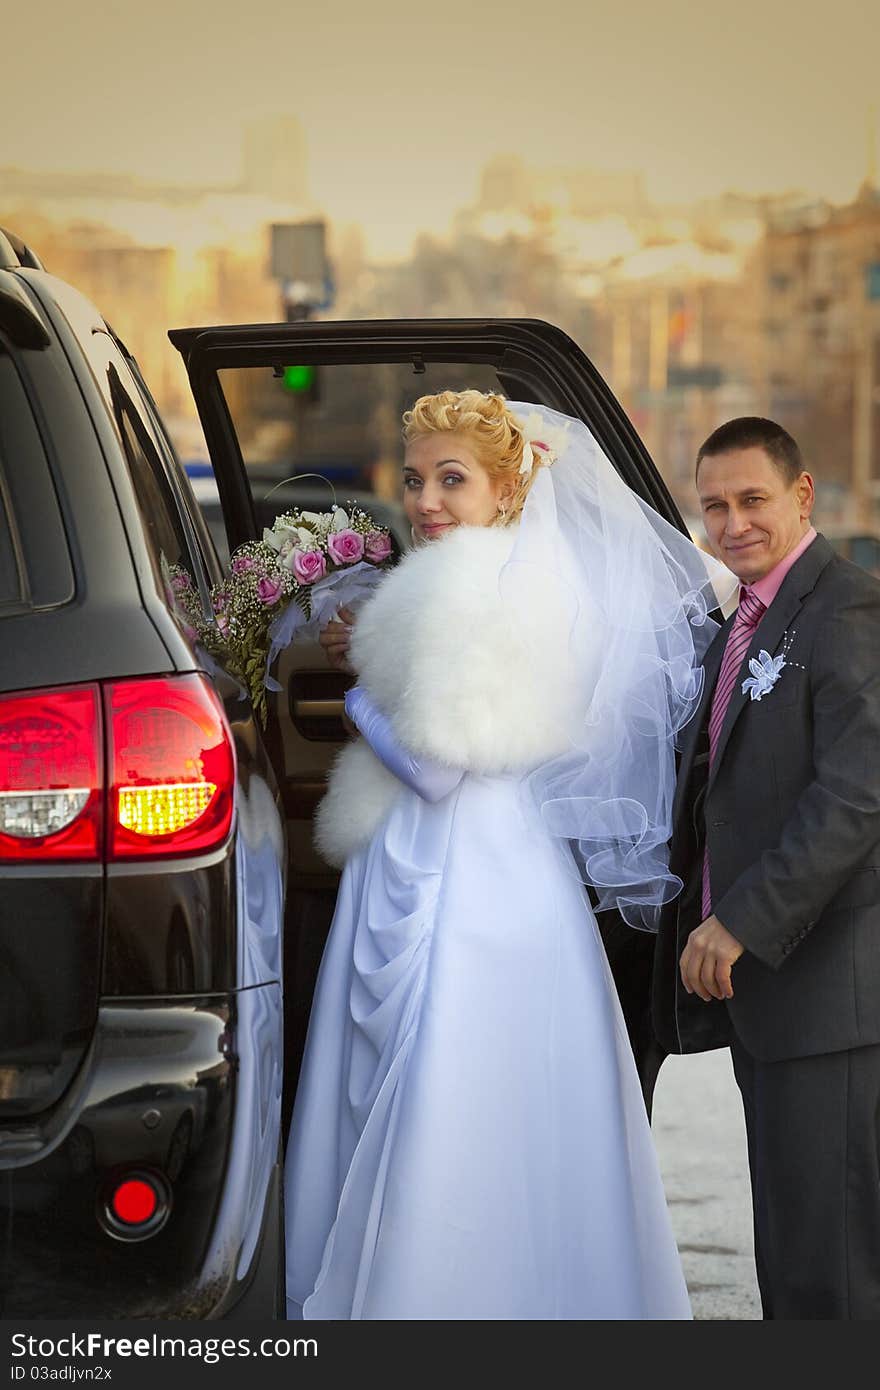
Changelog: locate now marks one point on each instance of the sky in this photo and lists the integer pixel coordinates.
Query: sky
(401, 108)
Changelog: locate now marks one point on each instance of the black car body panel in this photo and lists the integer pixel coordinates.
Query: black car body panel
(45, 1029)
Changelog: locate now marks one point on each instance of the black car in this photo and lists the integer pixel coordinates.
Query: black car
(140, 1027)
(142, 860)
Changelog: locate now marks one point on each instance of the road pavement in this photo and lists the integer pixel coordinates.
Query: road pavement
(700, 1137)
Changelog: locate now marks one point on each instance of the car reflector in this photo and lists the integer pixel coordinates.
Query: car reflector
(135, 1205)
(134, 1202)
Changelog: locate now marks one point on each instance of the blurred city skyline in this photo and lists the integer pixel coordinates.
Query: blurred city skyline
(401, 109)
(692, 195)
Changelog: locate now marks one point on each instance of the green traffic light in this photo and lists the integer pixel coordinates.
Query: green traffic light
(298, 378)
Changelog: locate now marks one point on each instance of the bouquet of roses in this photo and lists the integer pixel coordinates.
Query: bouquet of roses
(288, 585)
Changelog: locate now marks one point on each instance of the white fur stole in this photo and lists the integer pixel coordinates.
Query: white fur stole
(472, 671)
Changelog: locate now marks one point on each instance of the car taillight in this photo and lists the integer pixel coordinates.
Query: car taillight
(171, 767)
(171, 773)
(51, 774)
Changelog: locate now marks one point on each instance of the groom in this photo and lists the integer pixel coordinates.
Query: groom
(773, 946)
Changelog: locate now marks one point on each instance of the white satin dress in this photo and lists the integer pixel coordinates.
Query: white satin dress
(469, 1139)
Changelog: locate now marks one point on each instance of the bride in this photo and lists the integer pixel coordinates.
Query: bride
(469, 1139)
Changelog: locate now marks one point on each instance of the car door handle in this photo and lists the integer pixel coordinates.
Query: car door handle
(318, 709)
(316, 701)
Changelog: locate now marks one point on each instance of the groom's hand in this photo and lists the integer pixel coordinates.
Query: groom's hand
(707, 960)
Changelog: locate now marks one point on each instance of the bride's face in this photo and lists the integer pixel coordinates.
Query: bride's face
(444, 486)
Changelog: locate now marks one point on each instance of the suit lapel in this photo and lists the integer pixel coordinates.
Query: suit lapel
(800, 581)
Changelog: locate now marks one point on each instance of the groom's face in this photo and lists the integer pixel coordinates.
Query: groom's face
(753, 514)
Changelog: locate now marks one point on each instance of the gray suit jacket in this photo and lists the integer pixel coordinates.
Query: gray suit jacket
(791, 812)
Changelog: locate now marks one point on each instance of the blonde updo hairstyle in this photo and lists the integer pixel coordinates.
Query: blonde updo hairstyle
(491, 431)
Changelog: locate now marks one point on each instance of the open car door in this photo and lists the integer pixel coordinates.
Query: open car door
(319, 403)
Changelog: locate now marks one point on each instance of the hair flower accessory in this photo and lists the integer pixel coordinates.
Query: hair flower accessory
(766, 670)
(542, 442)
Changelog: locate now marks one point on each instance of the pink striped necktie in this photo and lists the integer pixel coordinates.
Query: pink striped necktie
(749, 613)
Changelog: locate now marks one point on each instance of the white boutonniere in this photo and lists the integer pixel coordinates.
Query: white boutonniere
(766, 670)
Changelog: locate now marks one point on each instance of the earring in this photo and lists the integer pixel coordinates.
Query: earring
(502, 507)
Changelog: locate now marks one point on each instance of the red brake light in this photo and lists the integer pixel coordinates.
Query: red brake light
(172, 768)
(51, 774)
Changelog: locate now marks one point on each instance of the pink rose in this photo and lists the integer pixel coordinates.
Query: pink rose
(269, 590)
(180, 583)
(307, 565)
(221, 601)
(243, 564)
(222, 624)
(346, 547)
(378, 546)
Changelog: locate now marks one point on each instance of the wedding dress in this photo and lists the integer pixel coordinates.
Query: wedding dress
(469, 1139)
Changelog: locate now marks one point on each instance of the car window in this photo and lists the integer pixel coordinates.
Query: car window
(35, 565)
(202, 538)
(175, 560)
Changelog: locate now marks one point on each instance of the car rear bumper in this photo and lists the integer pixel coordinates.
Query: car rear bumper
(166, 1092)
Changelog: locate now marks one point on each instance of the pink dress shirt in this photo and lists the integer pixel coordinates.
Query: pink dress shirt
(767, 588)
